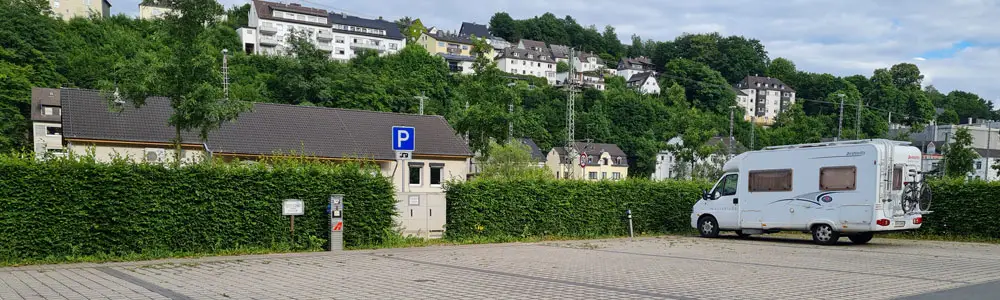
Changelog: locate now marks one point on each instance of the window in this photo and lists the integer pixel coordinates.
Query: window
(523, 72)
(979, 165)
(604, 161)
(787, 94)
(51, 111)
(592, 175)
(53, 130)
(762, 93)
(727, 186)
(55, 3)
(616, 175)
(415, 170)
(340, 40)
(464, 47)
(440, 44)
(550, 66)
(618, 160)
(340, 51)
(897, 179)
(590, 159)
(436, 174)
(604, 175)
(524, 63)
(771, 181)
(392, 46)
(838, 178)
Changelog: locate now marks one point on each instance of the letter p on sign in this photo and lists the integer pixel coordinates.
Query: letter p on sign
(403, 138)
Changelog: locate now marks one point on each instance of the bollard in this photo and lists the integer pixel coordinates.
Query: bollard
(628, 214)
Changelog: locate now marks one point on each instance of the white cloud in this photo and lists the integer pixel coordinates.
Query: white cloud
(831, 36)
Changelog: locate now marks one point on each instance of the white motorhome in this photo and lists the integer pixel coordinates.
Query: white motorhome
(847, 188)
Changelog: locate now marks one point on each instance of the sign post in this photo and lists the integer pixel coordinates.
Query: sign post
(292, 208)
(403, 142)
(336, 213)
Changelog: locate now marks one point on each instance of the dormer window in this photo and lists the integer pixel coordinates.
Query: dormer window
(758, 84)
(618, 160)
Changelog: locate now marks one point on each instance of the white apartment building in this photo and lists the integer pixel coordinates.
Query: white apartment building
(271, 24)
(68, 9)
(153, 9)
(591, 79)
(628, 67)
(766, 98)
(528, 62)
(583, 62)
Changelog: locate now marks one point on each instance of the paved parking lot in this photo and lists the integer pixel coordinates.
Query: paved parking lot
(648, 268)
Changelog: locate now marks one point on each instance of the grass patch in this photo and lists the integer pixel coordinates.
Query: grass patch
(149, 255)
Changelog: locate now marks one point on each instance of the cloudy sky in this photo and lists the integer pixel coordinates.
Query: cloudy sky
(956, 43)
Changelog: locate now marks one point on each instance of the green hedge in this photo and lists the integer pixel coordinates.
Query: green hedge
(488, 208)
(78, 207)
(964, 209)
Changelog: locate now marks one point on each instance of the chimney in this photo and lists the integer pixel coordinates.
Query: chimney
(343, 15)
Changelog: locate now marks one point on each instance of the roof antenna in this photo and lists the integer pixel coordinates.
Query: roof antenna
(225, 73)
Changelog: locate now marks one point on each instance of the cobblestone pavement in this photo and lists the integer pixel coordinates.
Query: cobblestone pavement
(647, 268)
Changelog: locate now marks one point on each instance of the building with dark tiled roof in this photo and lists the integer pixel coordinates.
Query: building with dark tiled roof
(766, 98)
(628, 67)
(588, 161)
(341, 35)
(456, 49)
(644, 82)
(528, 62)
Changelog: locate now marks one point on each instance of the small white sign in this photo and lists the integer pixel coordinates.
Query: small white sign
(414, 200)
(293, 207)
(404, 155)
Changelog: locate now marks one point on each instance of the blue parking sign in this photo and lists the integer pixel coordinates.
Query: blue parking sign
(403, 138)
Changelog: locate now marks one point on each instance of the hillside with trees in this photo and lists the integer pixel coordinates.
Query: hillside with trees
(37, 50)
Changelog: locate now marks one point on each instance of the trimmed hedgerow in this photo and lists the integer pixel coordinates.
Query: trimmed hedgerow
(78, 207)
(488, 208)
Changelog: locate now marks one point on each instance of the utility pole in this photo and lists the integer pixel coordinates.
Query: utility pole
(510, 120)
(989, 136)
(731, 130)
(840, 123)
(570, 102)
(857, 123)
(225, 73)
(421, 98)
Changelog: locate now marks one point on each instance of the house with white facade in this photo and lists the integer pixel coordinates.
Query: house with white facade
(482, 31)
(270, 25)
(766, 98)
(539, 63)
(588, 161)
(644, 82)
(668, 166)
(628, 67)
(583, 61)
(588, 79)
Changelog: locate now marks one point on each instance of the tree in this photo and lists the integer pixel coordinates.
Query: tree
(611, 42)
(781, 68)
(189, 76)
(968, 105)
(741, 57)
(414, 31)
(511, 160)
(562, 67)
(906, 76)
(949, 116)
(958, 155)
(637, 49)
(705, 88)
(404, 23)
(503, 26)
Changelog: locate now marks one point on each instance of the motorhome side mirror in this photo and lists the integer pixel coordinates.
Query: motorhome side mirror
(704, 194)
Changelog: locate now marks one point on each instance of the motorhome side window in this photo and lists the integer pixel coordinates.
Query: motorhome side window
(727, 186)
(770, 181)
(838, 178)
(897, 179)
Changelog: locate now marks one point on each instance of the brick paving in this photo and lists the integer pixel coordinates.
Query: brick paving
(648, 268)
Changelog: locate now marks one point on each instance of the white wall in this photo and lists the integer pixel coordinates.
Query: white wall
(513, 65)
(43, 141)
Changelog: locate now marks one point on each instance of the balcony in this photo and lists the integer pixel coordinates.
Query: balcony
(454, 50)
(268, 29)
(269, 40)
(326, 47)
(324, 35)
(379, 48)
